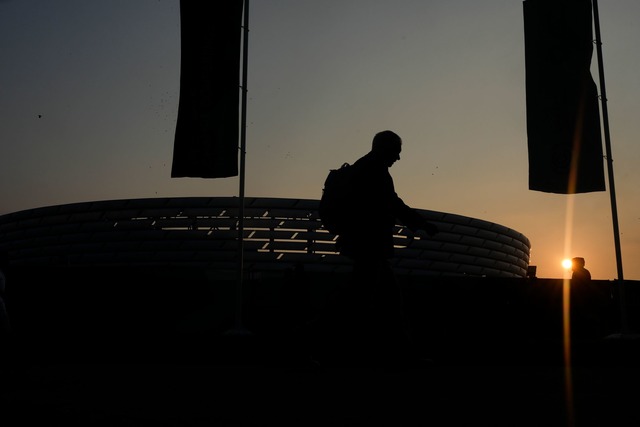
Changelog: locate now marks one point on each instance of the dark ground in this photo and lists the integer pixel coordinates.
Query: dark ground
(264, 389)
(104, 356)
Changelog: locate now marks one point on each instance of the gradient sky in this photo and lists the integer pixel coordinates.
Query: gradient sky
(89, 93)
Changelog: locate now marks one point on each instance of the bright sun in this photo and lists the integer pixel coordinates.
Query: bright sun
(566, 263)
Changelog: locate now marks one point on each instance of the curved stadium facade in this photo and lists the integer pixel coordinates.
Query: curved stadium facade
(278, 233)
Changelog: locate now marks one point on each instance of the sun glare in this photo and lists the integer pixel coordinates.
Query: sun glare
(566, 264)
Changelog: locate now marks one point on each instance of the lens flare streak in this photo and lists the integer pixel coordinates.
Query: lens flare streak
(566, 310)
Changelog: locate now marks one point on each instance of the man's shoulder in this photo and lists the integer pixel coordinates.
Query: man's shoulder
(370, 164)
(362, 160)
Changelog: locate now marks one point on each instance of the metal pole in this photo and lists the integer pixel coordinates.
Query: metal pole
(243, 145)
(612, 187)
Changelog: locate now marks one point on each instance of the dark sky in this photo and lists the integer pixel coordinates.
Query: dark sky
(89, 99)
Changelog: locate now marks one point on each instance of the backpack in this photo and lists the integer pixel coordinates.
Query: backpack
(334, 208)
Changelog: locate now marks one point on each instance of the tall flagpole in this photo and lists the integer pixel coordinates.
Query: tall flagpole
(612, 189)
(239, 328)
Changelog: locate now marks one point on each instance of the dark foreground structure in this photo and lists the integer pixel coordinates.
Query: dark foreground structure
(125, 346)
(115, 328)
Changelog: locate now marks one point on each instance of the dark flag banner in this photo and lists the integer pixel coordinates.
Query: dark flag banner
(207, 130)
(563, 118)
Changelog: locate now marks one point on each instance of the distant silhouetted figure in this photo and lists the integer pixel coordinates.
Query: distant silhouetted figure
(374, 300)
(579, 272)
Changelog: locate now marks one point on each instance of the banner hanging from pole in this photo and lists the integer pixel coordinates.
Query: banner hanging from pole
(563, 117)
(207, 129)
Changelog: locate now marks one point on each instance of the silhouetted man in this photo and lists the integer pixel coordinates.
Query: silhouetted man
(376, 298)
(579, 272)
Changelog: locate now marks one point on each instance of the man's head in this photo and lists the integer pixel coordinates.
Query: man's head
(577, 263)
(388, 145)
